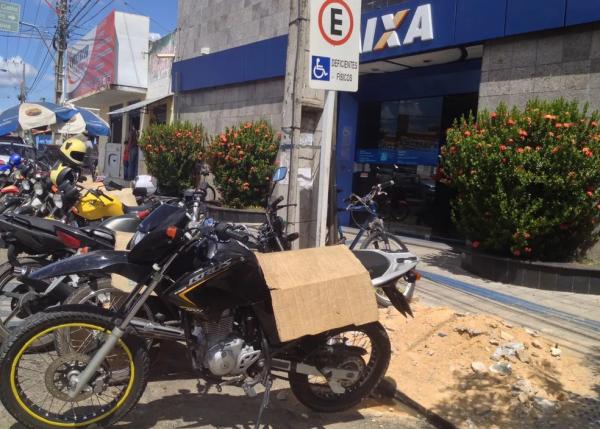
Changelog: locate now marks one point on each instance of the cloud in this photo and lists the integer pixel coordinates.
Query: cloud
(154, 37)
(14, 71)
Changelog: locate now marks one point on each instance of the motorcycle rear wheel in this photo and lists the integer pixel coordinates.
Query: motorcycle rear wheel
(316, 394)
(48, 379)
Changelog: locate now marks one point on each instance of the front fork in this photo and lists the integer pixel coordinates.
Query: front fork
(115, 335)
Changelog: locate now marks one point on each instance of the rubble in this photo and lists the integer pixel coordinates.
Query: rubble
(555, 351)
(506, 336)
(478, 367)
(455, 387)
(502, 368)
(471, 332)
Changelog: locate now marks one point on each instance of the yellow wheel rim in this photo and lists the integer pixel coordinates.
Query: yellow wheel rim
(43, 419)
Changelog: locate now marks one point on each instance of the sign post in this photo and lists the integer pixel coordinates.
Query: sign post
(10, 16)
(334, 62)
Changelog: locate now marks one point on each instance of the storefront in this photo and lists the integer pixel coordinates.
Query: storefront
(423, 64)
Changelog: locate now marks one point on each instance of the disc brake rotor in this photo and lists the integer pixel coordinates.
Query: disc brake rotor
(61, 375)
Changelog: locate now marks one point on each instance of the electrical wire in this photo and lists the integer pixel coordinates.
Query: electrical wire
(37, 12)
(22, 14)
(126, 3)
(82, 25)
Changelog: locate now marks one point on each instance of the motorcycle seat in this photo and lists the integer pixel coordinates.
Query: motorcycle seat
(375, 263)
(41, 224)
(137, 209)
(99, 232)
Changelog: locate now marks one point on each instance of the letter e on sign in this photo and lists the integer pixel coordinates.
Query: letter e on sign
(334, 44)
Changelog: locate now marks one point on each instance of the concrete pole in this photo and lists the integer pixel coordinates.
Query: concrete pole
(22, 92)
(292, 103)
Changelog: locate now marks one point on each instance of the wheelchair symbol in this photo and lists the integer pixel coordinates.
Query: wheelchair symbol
(320, 68)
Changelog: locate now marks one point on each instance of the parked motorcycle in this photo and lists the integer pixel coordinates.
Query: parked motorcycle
(227, 324)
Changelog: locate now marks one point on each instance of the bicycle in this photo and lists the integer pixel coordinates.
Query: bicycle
(377, 237)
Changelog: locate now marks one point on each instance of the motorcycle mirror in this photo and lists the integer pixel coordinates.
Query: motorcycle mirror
(279, 174)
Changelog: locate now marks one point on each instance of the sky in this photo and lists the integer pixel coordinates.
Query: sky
(28, 47)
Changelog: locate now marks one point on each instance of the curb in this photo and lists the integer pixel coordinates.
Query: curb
(537, 275)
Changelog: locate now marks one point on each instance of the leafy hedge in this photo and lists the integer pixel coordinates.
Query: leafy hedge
(527, 181)
(171, 152)
(242, 162)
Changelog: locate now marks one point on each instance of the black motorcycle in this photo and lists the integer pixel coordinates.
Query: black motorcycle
(45, 241)
(213, 281)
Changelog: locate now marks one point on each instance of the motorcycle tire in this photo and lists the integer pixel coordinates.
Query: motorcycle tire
(13, 394)
(85, 293)
(6, 276)
(381, 241)
(330, 402)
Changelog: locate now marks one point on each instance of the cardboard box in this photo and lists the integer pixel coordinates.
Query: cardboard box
(315, 290)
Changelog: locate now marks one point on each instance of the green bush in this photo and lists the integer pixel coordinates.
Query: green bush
(171, 152)
(527, 182)
(242, 162)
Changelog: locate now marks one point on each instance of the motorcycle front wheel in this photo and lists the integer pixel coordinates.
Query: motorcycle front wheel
(364, 348)
(35, 386)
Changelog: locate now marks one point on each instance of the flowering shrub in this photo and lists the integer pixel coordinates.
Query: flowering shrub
(527, 182)
(242, 162)
(171, 152)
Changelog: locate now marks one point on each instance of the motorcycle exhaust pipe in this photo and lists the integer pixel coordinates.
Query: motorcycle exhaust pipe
(153, 330)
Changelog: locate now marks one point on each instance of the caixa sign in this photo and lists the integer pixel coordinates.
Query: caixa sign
(393, 29)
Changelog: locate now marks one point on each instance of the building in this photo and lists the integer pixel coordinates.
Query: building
(423, 63)
(107, 70)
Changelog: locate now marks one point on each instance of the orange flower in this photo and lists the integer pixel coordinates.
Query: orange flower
(510, 122)
(475, 244)
(467, 133)
(502, 148)
(550, 117)
(523, 133)
(555, 149)
(223, 138)
(248, 125)
(493, 115)
(517, 252)
(538, 148)
(520, 150)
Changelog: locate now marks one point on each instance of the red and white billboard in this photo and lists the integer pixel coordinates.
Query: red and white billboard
(91, 63)
(112, 53)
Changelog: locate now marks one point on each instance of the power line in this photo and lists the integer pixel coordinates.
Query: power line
(22, 14)
(37, 12)
(82, 25)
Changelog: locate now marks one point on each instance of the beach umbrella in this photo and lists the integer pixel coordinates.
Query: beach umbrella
(26, 116)
(84, 121)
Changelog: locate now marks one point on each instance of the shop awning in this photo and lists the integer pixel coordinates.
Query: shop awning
(138, 105)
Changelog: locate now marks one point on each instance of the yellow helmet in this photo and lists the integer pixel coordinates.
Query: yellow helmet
(73, 151)
(59, 173)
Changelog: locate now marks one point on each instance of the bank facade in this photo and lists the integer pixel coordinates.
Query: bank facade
(423, 63)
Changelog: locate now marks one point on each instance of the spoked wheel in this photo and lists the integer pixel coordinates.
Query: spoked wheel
(364, 349)
(14, 294)
(103, 296)
(382, 241)
(35, 387)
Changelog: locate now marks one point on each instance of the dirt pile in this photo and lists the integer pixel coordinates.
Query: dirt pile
(478, 371)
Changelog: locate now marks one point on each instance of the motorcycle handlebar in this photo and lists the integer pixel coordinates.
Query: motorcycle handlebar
(275, 203)
(225, 231)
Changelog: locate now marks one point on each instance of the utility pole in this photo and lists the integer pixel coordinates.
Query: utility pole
(292, 112)
(61, 47)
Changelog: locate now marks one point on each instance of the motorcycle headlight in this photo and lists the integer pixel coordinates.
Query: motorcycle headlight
(26, 185)
(58, 202)
(38, 188)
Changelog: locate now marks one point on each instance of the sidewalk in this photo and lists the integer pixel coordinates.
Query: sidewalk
(573, 320)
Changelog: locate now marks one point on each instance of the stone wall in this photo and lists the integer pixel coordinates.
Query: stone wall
(224, 24)
(217, 108)
(564, 63)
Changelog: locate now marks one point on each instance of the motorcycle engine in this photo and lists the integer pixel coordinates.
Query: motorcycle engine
(221, 350)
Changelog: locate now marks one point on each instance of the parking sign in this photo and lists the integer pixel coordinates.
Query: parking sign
(334, 44)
